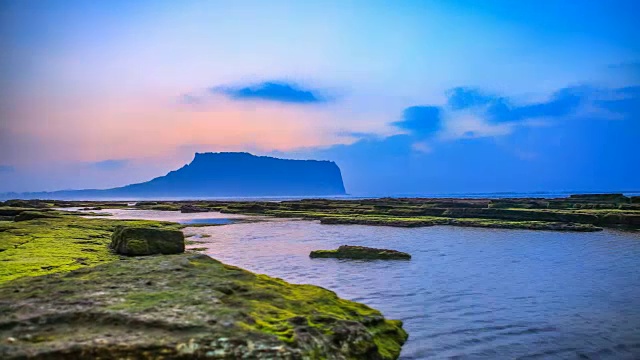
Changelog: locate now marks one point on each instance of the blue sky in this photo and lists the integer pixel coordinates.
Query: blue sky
(412, 97)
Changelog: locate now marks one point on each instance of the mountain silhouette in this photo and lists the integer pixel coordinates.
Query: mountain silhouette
(226, 174)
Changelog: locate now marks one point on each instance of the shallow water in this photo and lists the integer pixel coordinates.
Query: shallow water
(467, 292)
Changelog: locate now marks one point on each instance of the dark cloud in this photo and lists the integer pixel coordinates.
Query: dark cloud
(625, 101)
(420, 120)
(467, 97)
(592, 153)
(502, 109)
(111, 164)
(275, 91)
(562, 103)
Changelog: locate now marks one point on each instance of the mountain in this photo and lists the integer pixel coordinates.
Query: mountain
(225, 174)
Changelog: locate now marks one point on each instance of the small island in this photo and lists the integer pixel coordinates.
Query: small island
(360, 253)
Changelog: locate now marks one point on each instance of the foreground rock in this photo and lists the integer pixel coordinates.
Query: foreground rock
(360, 252)
(185, 306)
(137, 241)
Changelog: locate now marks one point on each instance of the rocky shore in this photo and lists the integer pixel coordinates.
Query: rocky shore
(574, 213)
(65, 295)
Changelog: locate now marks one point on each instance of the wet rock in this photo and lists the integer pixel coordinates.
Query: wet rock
(137, 241)
(31, 215)
(188, 208)
(360, 252)
(609, 198)
(136, 309)
(91, 208)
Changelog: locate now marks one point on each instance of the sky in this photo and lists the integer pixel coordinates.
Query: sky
(408, 97)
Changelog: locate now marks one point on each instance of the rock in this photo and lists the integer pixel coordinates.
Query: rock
(188, 208)
(30, 215)
(160, 307)
(360, 252)
(136, 241)
(25, 203)
(608, 198)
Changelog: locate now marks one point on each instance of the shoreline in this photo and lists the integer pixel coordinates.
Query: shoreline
(66, 295)
(573, 213)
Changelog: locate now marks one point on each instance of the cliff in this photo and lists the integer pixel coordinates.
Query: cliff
(227, 174)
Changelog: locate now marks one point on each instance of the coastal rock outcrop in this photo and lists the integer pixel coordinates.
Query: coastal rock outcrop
(225, 174)
(360, 252)
(185, 306)
(189, 208)
(31, 215)
(137, 241)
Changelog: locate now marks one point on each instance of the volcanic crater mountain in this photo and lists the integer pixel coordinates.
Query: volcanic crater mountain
(227, 174)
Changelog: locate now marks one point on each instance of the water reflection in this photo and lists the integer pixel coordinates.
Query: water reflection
(468, 293)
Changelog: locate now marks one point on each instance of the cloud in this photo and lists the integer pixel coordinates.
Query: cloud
(275, 91)
(587, 152)
(624, 102)
(460, 98)
(500, 109)
(420, 120)
(190, 99)
(111, 164)
(562, 103)
(466, 125)
(627, 66)
(473, 113)
(7, 169)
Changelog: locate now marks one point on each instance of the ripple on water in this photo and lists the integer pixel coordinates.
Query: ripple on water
(466, 293)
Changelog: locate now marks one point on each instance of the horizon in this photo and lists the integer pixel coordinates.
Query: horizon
(410, 98)
(497, 194)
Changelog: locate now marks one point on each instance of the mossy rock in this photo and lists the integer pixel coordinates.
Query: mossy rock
(12, 211)
(613, 198)
(360, 252)
(185, 306)
(138, 241)
(32, 215)
(188, 209)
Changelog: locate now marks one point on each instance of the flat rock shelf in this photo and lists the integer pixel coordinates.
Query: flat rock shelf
(360, 253)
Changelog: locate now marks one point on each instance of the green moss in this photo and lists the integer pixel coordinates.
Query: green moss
(161, 296)
(48, 245)
(360, 252)
(187, 298)
(198, 249)
(138, 240)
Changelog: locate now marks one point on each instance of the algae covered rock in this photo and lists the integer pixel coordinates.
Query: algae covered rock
(31, 215)
(360, 252)
(188, 209)
(613, 198)
(185, 306)
(136, 241)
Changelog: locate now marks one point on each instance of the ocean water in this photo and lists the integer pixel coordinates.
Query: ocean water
(467, 292)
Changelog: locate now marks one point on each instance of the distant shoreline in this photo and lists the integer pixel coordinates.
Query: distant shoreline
(472, 195)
